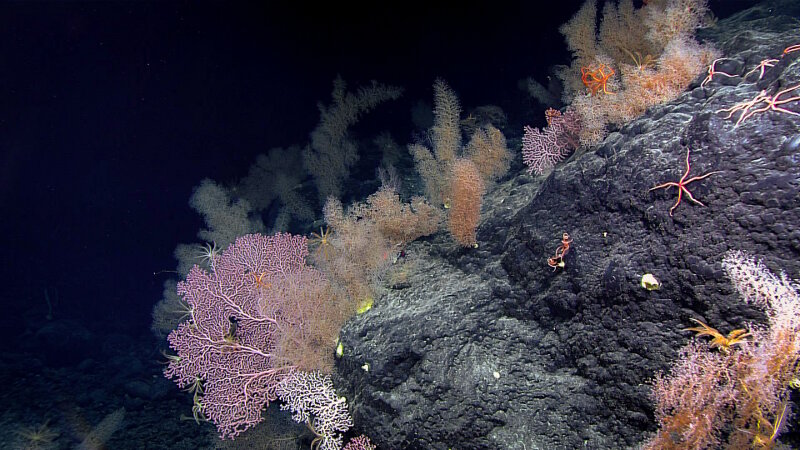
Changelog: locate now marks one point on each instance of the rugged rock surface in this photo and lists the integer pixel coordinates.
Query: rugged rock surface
(490, 348)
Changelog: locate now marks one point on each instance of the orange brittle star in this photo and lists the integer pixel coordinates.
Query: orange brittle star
(597, 78)
(260, 283)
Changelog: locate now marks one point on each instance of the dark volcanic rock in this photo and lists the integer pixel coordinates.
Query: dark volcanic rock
(490, 348)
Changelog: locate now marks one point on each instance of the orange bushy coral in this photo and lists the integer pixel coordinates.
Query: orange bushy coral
(466, 193)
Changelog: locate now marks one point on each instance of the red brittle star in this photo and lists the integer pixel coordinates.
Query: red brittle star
(681, 185)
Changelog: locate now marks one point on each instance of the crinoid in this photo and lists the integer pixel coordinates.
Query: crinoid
(196, 388)
(322, 242)
(208, 253)
(38, 436)
(639, 61)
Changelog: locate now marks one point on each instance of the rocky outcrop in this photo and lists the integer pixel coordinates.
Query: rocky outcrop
(490, 348)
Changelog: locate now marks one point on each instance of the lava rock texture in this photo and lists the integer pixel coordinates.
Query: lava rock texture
(490, 348)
